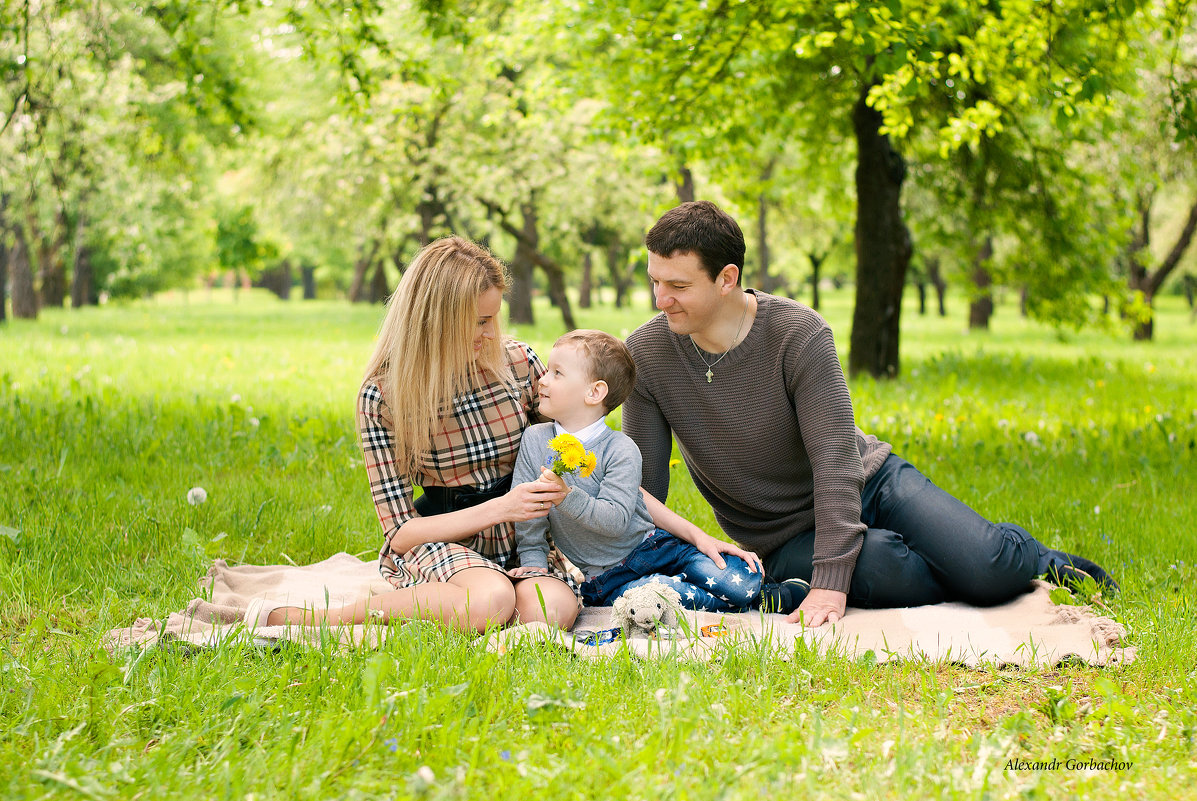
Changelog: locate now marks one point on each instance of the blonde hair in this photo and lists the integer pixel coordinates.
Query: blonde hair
(607, 359)
(424, 356)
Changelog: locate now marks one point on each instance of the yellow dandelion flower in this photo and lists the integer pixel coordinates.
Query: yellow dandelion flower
(561, 440)
(570, 453)
(589, 462)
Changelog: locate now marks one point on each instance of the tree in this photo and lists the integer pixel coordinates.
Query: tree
(113, 109)
(1154, 159)
(961, 72)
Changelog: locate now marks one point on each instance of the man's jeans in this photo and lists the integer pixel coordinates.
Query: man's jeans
(923, 546)
(663, 557)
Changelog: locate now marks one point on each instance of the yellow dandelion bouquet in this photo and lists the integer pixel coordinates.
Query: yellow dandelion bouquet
(570, 456)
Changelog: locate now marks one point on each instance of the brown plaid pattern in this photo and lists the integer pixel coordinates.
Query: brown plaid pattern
(476, 445)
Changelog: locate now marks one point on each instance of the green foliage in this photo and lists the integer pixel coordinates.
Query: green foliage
(355, 131)
(239, 244)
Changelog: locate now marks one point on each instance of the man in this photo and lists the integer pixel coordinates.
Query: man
(751, 386)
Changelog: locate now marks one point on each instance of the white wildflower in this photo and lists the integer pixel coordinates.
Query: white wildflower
(196, 496)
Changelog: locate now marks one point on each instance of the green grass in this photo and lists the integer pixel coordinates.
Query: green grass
(108, 416)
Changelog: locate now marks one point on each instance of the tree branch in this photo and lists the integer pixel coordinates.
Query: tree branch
(1156, 280)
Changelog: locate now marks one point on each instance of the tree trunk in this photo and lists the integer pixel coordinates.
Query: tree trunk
(379, 288)
(24, 299)
(762, 238)
(82, 292)
(921, 285)
(621, 273)
(980, 310)
(941, 286)
(358, 287)
(519, 304)
(816, 265)
(557, 293)
(1189, 281)
(5, 253)
(883, 247)
(427, 217)
(527, 254)
(530, 237)
(51, 262)
(308, 275)
(685, 185)
(277, 279)
(1024, 299)
(285, 280)
(587, 284)
(1149, 282)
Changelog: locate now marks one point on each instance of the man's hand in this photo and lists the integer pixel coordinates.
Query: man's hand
(821, 606)
(525, 572)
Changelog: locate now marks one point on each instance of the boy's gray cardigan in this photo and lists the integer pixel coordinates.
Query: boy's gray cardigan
(601, 520)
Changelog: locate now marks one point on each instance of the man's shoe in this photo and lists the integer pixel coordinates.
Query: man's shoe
(1070, 571)
(785, 597)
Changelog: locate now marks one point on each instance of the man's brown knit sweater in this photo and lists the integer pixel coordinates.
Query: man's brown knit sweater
(771, 442)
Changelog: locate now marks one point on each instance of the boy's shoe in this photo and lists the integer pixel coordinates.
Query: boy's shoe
(785, 597)
(1070, 571)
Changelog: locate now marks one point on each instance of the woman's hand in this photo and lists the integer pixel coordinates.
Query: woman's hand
(525, 572)
(531, 500)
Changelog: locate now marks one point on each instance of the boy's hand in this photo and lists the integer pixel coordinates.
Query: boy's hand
(524, 572)
(550, 477)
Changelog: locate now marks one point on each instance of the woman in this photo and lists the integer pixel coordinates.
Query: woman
(444, 405)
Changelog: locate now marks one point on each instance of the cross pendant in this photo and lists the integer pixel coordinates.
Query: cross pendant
(710, 375)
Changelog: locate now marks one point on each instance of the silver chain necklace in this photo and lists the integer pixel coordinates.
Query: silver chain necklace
(711, 367)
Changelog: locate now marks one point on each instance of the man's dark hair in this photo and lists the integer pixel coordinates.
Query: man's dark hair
(702, 228)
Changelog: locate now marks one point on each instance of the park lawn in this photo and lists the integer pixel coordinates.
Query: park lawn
(108, 416)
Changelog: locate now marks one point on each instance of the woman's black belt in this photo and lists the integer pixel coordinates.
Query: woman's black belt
(442, 500)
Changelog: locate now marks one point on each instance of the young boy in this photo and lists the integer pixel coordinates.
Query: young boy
(603, 524)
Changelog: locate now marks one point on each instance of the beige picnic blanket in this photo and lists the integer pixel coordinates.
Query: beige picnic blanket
(1029, 631)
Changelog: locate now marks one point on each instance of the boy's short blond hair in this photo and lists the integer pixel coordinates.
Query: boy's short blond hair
(607, 359)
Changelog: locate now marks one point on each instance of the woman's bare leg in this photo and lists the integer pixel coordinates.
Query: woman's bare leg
(471, 600)
(560, 606)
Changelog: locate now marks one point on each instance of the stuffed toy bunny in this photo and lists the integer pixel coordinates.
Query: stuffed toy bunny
(646, 608)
